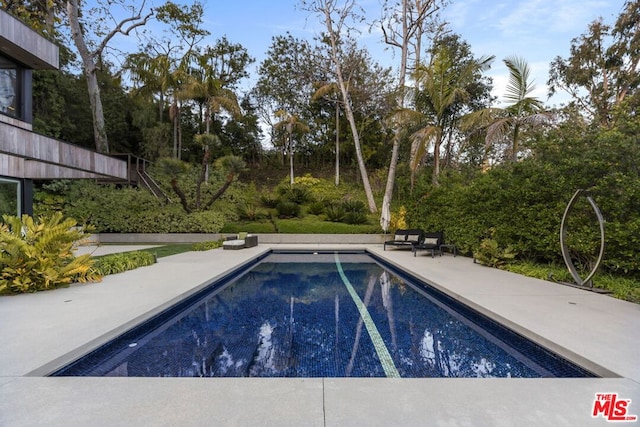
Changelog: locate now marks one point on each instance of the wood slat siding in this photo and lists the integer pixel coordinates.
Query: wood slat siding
(15, 122)
(25, 45)
(45, 155)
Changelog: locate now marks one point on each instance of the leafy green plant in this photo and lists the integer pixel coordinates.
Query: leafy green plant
(123, 261)
(249, 211)
(37, 255)
(356, 206)
(269, 200)
(299, 194)
(355, 218)
(316, 208)
(335, 212)
(288, 209)
(491, 254)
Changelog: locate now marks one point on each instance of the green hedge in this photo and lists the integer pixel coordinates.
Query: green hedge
(123, 210)
(521, 207)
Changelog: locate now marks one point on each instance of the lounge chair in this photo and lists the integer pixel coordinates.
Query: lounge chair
(405, 238)
(242, 240)
(432, 242)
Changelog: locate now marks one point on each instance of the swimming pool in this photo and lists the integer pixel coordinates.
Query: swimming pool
(327, 314)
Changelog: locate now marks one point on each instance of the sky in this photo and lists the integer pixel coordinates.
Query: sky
(537, 30)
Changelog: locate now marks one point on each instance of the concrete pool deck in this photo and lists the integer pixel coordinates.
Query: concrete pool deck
(42, 331)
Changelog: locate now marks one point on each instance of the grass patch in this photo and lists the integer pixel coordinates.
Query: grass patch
(168, 250)
(254, 227)
(625, 288)
(312, 224)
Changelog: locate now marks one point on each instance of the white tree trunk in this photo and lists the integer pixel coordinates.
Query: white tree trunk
(326, 7)
(90, 67)
(412, 27)
(337, 143)
(90, 70)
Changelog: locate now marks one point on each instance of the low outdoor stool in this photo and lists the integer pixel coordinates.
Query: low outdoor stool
(451, 247)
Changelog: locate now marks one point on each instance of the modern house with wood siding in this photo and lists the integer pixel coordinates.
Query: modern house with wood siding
(26, 156)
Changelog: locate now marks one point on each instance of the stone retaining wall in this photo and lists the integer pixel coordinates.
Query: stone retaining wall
(137, 238)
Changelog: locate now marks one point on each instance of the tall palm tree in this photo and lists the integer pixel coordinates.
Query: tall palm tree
(208, 90)
(289, 124)
(162, 76)
(443, 85)
(521, 111)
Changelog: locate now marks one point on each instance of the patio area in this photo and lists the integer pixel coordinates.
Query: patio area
(43, 331)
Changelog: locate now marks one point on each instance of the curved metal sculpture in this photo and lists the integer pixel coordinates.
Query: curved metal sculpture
(563, 235)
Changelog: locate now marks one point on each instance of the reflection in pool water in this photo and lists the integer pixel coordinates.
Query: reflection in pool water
(323, 315)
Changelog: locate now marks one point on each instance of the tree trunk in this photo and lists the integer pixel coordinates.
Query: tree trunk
(436, 157)
(348, 110)
(291, 161)
(337, 143)
(90, 70)
(181, 196)
(220, 191)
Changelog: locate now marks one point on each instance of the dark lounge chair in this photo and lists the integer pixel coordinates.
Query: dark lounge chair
(432, 242)
(405, 238)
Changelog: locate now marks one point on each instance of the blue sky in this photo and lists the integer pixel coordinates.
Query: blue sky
(537, 30)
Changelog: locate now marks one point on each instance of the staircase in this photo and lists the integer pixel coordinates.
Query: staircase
(139, 177)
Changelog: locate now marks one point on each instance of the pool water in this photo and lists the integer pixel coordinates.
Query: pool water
(321, 315)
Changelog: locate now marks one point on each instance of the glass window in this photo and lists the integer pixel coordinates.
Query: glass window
(9, 197)
(9, 87)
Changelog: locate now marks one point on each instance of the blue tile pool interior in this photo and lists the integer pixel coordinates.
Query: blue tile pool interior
(320, 314)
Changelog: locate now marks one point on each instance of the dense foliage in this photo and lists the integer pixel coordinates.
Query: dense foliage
(123, 210)
(496, 180)
(37, 255)
(521, 205)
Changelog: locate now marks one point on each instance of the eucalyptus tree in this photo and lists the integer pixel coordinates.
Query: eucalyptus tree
(521, 111)
(370, 88)
(443, 86)
(404, 25)
(337, 20)
(91, 51)
(602, 70)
